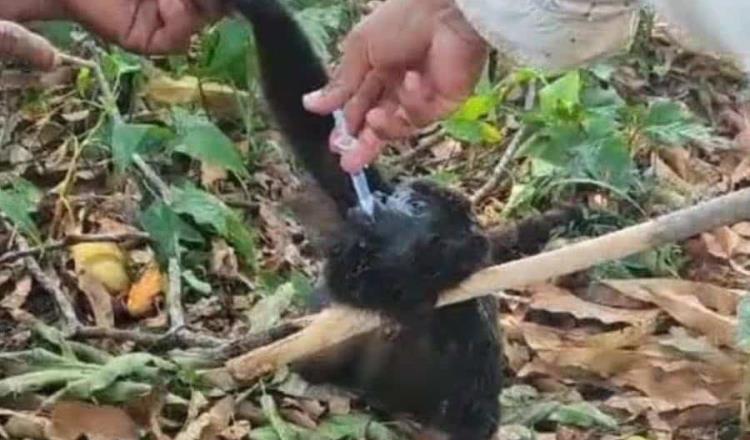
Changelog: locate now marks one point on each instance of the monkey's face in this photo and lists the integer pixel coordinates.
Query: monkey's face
(421, 240)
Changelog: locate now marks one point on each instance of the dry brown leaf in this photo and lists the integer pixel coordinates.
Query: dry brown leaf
(277, 229)
(669, 391)
(688, 303)
(99, 299)
(103, 261)
(211, 174)
(238, 431)
(742, 172)
(223, 260)
(556, 300)
(603, 362)
(16, 299)
(742, 228)
(209, 425)
(678, 160)
(74, 420)
(298, 417)
(24, 425)
(218, 98)
(144, 293)
(667, 174)
(446, 149)
(146, 411)
(721, 243)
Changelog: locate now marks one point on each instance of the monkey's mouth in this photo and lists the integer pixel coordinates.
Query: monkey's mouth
(404, 203)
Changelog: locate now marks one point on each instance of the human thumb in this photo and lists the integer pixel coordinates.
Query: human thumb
(345, 82)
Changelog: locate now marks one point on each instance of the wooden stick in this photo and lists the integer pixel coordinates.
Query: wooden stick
(338, 324)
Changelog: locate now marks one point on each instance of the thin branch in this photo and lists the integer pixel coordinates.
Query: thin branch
(49, 283)
(501, 169)
(174, 294)
(70, 240)
(251, 342)
(166, 341)
(424, 144)
(338, 324)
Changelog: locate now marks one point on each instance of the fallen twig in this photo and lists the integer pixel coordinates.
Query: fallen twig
(20, 44)
(70, 240)
(49, 283)
(174, 294)
(338, 324)
(501, 169)
(424, 144)
(179, 338)
(250, 342)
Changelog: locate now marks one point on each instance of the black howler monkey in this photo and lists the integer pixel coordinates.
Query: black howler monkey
(443, 365)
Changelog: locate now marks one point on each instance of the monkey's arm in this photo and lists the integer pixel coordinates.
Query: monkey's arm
(289, 69)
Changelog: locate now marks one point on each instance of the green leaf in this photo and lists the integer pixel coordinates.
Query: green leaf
(464, 130)
(29, 194)
(490, 133)
(17, 204)
(475, 108)
(282, 428)
(667, 122)
(60, 33)
(565, 92)
(583, 415)
(242, 239)
(140, 365)
(161, 224)
(209, 211)
(225, 50)
(130, 139)
(202, 140)
(195, 283)
(203, 207)
(267, 312)
(343, 427)
(118, 63)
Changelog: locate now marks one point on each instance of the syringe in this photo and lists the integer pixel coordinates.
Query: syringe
(346, 142)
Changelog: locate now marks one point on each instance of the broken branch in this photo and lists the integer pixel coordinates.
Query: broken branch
(338, 324)
(70, 240)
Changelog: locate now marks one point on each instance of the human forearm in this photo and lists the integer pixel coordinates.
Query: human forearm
(31, 10)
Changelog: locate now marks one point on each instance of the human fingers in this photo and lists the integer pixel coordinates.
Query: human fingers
(180, 19)
(363, 100)
(346, 80)
(368, 149)
(419, 101)
(145, 23)
(390, 124)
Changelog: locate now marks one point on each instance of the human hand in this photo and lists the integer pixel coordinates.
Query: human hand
(408, 64)
(144, 26)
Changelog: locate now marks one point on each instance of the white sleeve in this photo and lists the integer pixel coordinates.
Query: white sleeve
(554, 34)
(720, 27)
(561, 34)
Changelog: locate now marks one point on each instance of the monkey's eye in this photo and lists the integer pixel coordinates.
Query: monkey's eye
(417, 206)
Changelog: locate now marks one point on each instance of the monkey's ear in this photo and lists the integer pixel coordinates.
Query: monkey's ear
(317, 212)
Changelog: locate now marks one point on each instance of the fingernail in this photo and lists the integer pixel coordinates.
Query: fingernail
(351, 163)
(411, 81)
(309, 99)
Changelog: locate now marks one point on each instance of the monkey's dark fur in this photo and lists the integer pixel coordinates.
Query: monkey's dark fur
(443, 365)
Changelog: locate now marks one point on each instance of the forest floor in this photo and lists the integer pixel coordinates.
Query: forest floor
(173, 184)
